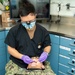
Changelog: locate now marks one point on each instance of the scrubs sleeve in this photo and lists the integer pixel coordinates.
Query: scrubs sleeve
(47, 40)
(10, 39)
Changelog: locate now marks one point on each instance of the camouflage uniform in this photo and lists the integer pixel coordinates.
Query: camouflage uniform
(13, 69)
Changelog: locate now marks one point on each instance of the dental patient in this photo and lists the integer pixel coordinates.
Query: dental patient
(36, 64)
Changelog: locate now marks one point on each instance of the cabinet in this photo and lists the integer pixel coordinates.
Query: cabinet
(6, 31)
(67, 56)
(62, 55)
(2, 53)
(53, 56)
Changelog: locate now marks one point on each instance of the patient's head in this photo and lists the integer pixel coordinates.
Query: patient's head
(36, 64)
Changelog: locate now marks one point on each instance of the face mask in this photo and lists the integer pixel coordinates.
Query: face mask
(30, 25)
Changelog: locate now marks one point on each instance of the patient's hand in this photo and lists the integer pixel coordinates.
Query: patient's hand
(36, 64)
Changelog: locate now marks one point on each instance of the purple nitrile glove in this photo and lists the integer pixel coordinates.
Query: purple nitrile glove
(26, 59)
(43, 57)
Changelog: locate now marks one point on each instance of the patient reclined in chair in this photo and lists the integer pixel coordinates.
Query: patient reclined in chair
(36, 64)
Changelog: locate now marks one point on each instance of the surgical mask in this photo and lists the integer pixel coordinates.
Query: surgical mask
(29, 25)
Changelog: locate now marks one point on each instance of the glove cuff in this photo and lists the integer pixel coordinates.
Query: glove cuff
(22, 57)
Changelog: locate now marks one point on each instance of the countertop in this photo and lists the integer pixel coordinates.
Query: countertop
(58, 29)
(61, 29)
(6, 26)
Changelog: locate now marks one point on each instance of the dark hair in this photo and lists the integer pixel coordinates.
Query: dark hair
(25, 8)
(47, 6)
